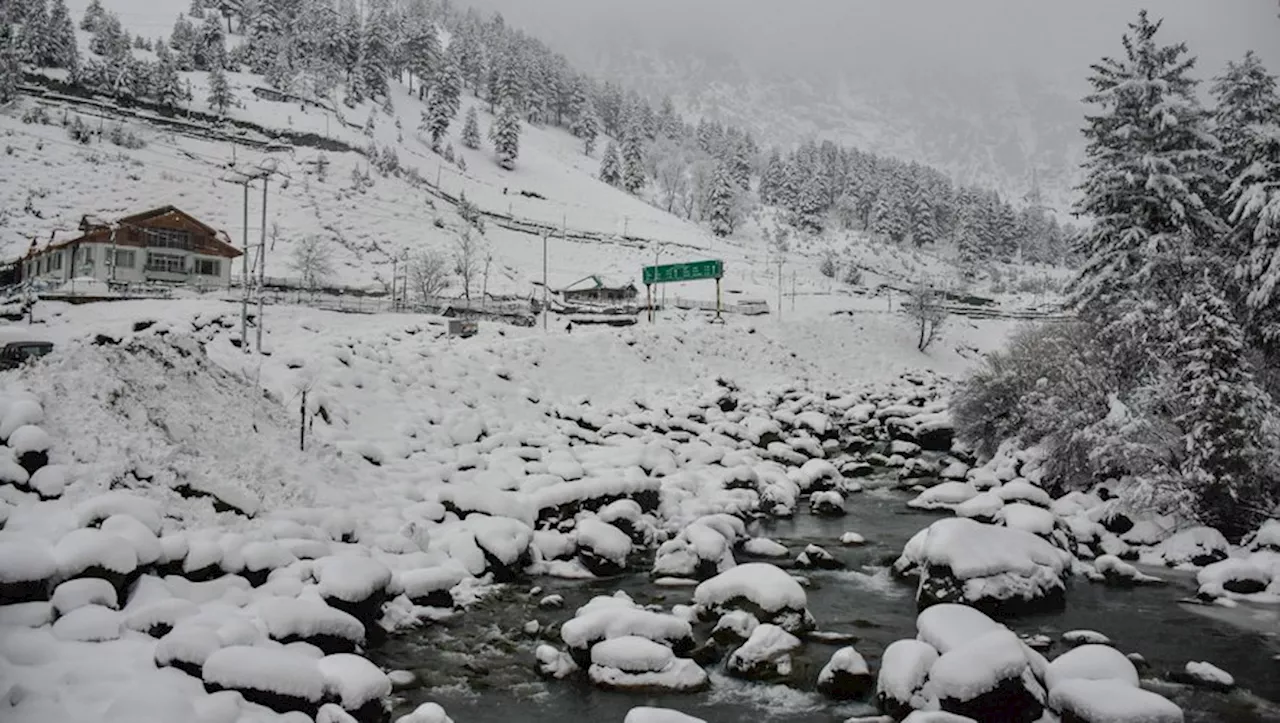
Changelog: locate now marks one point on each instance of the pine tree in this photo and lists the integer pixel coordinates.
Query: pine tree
(378, 56)
(219, 91)
(92, 15)
(423, 48)
(442, 106)
(610, 165)
(211, 45)
(1249, 121)
(924, 224)
(1151, 165)
(471, 129)
(1228, 464)
(10, 69)
(62, 50)
(720, 202)
(633, 162)
(587, 127)
(166, 87)
(183, 42)
(505, 134)
(33, 39)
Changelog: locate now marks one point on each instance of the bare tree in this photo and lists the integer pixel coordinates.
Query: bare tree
(924, 306)
(313, 260)
(468, 258)
(429, 273)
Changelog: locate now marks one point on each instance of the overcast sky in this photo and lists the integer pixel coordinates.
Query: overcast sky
(1056, 39)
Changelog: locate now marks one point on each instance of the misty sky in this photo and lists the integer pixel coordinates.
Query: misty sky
(1049, 39)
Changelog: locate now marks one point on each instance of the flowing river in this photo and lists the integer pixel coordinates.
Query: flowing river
(480, 666)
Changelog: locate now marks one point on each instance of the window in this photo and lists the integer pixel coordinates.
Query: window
(209, 267)
(167, 238)
(166, 263)
(55, 261)
(125, 259)
(85, 254)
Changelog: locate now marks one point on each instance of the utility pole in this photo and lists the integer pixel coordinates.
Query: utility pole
(546, 310)
(394, 261)
(779, 285)
(262, 260)
(484, 287)
(242, 179)
(793, 291)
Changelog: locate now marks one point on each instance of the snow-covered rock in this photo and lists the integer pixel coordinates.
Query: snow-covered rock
(602, 547)
(74, 594)
(355, 683)
(1234, 575)
(431, 585)
(1197, 546)
(945, 496)
(89, 624)
(426, 713)
(1266, 537)
(764, 547)
(273, 677)
(764, 590)
(852, 538)
(1021, 490)
(904, 669)
(677, 675)
(1085, 700)
(1090, 662)
(826, 504)
(91, 552)
(604, 618)
(985, 678)
(187, 648)
(766, 655)
(733, 626)
(658, 715)
(1085, 637)
(983, 507)
(312, 621)
(846, 675)
(1204, 675)
(816, 558)
(554, 663)
(987, 566)
(1118, 573)
(26, 569)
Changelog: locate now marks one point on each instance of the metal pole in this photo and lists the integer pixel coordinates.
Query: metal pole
(262, 260)
(302, 428)
(394, 259)
(793, 291)
(718, 303)
(779, 285)
(244, 277)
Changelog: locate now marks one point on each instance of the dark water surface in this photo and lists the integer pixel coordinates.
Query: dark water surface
(480, 665)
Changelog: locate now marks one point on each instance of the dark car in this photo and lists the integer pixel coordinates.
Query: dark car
(16, 353)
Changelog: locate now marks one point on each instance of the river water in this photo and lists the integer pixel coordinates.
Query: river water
(479, 664)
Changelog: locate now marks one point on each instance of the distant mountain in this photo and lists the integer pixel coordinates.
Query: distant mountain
(988, 130)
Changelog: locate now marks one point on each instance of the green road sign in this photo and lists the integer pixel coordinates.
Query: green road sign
(693, 271)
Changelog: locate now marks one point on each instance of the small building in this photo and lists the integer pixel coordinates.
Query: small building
(164, 245)
(599, 289)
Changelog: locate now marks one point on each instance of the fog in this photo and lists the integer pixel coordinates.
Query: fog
(854, 38)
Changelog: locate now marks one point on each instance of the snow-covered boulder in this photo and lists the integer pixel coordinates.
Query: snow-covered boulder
(1090, 662)
(700, 551)
(658, 715)
(1084, 700)
(90, 552)
(277, 678)
(852, 539)
(990, 567)
(764, 547)
(1266, 537)
(27, 568)
(904, 669)
(74, 594)
(826, 504)
(987, 678)
(816, 558)
(30, 445)
(554, 663)
(431, 585)
(916, 468)
(1076, 638)
(1021, 490)
(637, 664)
(846, 675)
(89, 624)
(1197, 546)
(765, 656)
(426, 713)
(1118, 573)
(604, 618)
(356, 586)
(603, 548)
(945, 496)
(310, 621)
(187, 647)
(766, 591)
(734, 626)
(816, 475)
(1238, 576)
(1202, 675)
(356, 684)
(983, 507)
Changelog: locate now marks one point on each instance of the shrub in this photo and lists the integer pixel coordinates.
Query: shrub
(125, 138)
(828, 266)
(78, 131)
(853, 275)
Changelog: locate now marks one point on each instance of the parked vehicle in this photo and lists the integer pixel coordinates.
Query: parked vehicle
(18, 348)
